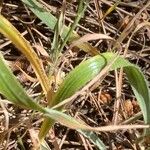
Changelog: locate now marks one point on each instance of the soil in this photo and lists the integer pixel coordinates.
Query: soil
(96, 106)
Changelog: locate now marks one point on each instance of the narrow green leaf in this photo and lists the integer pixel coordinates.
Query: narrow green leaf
(141, 91)
(85, 129)
(12, 90)
(57, 33)
(81, 9)
(73, 123)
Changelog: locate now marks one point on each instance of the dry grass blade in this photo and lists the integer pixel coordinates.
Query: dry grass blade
(118, 95)
(141, 25)
(90, 37)
(111, 9)
(78, 124)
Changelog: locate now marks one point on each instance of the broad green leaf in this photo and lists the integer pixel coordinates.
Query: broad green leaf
(51, 22)
(85, 72)
(8, 30)
(89, 69)
(73, 82)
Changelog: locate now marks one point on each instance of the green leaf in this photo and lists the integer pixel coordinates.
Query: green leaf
(140, 89)
(12, 90)
(57, 33)
(85, 72)
(89, 69)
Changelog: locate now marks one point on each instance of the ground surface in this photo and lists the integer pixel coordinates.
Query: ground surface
(98, 106)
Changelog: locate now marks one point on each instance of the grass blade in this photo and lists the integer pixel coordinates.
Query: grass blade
(73, 123)
(57, 33)
(94, 139)
(112, 8)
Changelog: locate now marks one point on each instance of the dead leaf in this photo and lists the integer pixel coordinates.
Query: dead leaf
(105, 98)
(26, 77)
(90, 37)
(128, 107)
(43, 52)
